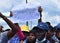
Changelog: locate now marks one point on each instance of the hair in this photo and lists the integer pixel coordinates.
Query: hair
(48, 23)
(32, 31)
(57, 29)
(35, 28)
(16, 24)
(52, 29)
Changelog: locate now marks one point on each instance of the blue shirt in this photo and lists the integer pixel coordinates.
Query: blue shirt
(14, 39)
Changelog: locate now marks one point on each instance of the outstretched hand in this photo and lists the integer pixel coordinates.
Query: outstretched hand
(40, 9)
(11, 14)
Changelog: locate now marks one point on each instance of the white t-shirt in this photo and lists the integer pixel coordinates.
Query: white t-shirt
(3, 37)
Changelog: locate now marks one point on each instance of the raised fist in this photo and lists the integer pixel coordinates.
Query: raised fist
(39, 9)
(11, 14)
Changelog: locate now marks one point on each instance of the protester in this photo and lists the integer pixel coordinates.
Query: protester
(31, 38)
(50, 34)
(40, 12)
(18, 37)
(41, 33)
(5, 36)
(58, 32)
(25, 30)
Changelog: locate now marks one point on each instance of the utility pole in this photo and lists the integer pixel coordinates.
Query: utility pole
(26, 23)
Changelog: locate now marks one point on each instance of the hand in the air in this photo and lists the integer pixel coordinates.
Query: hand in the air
(39, 9)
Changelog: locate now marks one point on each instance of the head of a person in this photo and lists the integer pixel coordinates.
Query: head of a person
(16, 24)
(58, 31)
(48, 23)
(58, 34)
(31, 37)
(42, 29)
(25, 30)
(39, 9)
(1, 28)
(50, 32)
(35, 28)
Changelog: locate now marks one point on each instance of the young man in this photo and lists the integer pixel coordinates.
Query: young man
(18, 37)
(58, 32)
(42, 28)
(50, 35)
(5, 36)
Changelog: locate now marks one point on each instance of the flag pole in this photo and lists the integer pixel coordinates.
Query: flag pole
(26, 1)
(26, 21)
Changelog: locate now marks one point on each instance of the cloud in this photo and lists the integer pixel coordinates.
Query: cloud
(51, 9)
(50, 6)
(54, 20)
(6, 5)
(57, 3)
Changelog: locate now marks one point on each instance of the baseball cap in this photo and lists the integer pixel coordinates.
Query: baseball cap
(43, 26)
(25, 28)
(57, 27)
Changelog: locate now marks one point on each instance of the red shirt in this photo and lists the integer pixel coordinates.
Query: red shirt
(20, 34)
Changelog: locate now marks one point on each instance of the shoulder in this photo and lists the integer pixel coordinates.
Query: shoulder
(3, 37)
(4, 33)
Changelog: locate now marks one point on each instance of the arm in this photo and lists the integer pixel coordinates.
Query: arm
(12, 26)
(40, 11)
(21, 35)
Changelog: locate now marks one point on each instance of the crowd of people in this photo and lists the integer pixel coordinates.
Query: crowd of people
(44, 32)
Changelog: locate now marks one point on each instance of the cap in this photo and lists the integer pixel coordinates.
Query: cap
(24, 28)
(43, 26)
(57, 27)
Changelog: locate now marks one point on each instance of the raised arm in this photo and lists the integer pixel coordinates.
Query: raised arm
(11, 25)
(40, 11)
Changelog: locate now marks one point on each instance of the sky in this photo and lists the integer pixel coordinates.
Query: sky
(50, 13)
